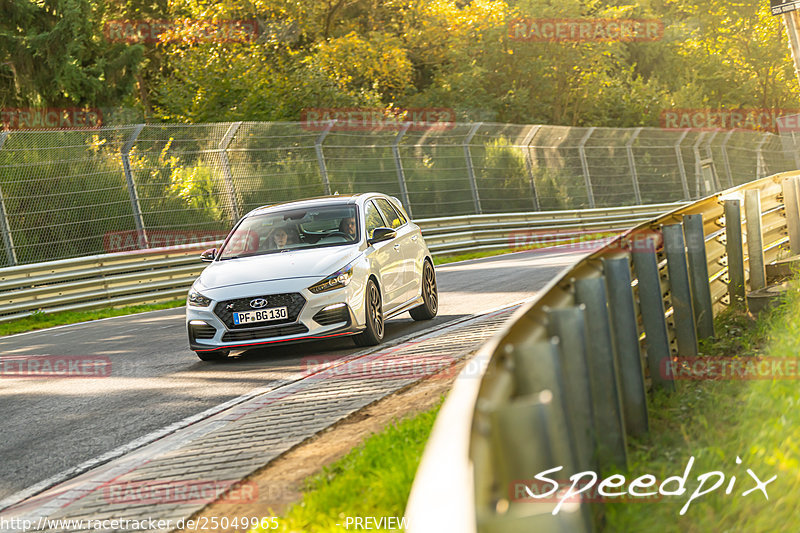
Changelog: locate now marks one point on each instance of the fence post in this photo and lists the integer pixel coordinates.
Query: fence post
(715, 183)
(585, 166)
(134, 195)
(651, 306)
(698, 170)
(698, 274)
(323, 169)
(679, 289)
(795, 151)
(681, 166)
(5, 227)
(761, 165)
(526, 144)
(398, 162)
(470, 169)
(603, 373)
(734, 248)
(755, 244)
(230, 189)
(725, 158)
(632, 164)
(626, 338)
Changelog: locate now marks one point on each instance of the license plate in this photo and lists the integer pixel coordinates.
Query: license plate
(262, 315)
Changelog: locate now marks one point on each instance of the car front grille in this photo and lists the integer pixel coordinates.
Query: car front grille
(326, 317)
(261, 333)
(293, 301)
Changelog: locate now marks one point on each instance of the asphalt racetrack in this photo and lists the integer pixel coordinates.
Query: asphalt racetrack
(52, 424)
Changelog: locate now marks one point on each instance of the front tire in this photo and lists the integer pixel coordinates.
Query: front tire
(373, 333)
(216, 355)
(430, 295)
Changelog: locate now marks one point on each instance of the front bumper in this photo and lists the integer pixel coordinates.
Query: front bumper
(330, 314)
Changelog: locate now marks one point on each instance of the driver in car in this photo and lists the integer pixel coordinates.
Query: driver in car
(348, 227)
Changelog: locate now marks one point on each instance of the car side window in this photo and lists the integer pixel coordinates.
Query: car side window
(391, 215)
(373, 218)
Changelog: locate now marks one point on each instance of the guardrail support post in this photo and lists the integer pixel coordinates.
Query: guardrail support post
(680, 290)
(323, 168)
(526, 144)
(790, 202)
(626, 338)
(398, 162)
(5, 227)
(698, 274)
(585, 166)
(568, 325)
(651, 305)
(538, 368)
(632, 164)
(473, 184)
(755, 244)
(681, 166)
(603, 373)
(230, 189)
(134, 195)
(734, 248)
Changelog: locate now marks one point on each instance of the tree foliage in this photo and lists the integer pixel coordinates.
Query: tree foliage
(398, 53)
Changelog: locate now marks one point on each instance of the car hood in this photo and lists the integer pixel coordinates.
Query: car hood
(315, 263)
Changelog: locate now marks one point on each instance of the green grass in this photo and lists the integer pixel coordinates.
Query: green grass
(40, 320)
(373, 479)
(718, 421)
(444, 259)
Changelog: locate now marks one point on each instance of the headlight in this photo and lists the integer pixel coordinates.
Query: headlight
(337, 280)
(198, 300)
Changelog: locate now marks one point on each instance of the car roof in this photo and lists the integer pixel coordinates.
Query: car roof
(333, 199)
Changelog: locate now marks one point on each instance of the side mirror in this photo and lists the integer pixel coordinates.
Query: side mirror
(208, 255)
(381, 234)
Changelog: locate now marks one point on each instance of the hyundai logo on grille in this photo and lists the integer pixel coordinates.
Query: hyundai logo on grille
(258, 303)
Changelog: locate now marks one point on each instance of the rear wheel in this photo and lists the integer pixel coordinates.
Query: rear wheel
(430, 295)
(215, 355)
(373, 333)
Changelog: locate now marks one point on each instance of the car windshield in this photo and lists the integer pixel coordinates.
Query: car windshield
(293, 229)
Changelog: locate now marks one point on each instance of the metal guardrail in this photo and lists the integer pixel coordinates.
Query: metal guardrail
(163, 274)
(565, 382)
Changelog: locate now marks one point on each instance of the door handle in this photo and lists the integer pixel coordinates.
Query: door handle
(413, 237)
(397, 247)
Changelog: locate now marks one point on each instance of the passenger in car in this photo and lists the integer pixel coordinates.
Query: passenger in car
(281, 237)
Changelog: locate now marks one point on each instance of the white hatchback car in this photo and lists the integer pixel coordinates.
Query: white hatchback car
(311, 269)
